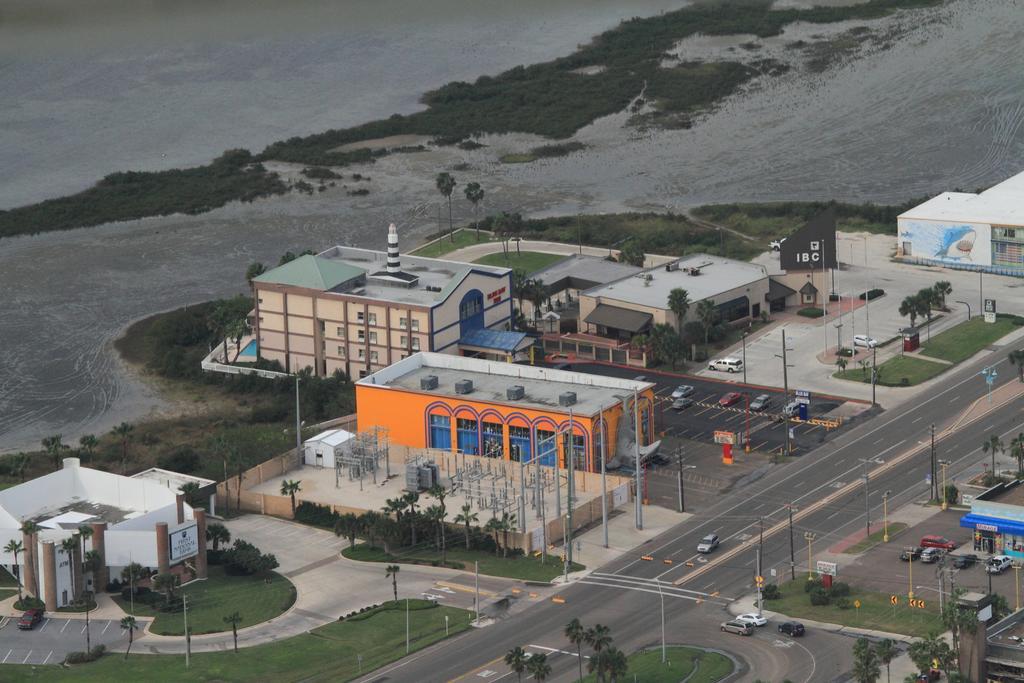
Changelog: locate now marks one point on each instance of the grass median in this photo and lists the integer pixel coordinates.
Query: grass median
(876, 610)
(681, 663)
(899, 371)
(527, 261)
(894, 530)
(210, 601)
(328, 653)
(524, 567)
(464, 237)
(959, 343)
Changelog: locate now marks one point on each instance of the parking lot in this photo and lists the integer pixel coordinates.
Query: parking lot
(50, 641)
(698, 422)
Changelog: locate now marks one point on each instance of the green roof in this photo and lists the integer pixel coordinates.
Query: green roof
(311, 272)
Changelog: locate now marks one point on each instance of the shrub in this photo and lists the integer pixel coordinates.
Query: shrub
(28, 602)
(319, 173)
(274, 412)
(819, 596)
(245, 559)
(183, 459)
(85, 657)
(841, 603)
(811, 585)
(114, 586)
(811, 312)
(840, 589)
(771, 592)
(315, 514)
(952, 494)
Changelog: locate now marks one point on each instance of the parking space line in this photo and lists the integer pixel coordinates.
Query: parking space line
(46, 622)
(106, 627)
(65, 626)
(27, 656)
(83, 628)
(6, 656)
(48, 657)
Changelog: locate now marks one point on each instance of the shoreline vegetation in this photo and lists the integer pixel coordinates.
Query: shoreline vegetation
(629, 66)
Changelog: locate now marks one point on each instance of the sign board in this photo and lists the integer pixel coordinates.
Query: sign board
(803, 396)
(813, 246)
(966, 498)
(184, 543)
(620, 494)
(725, 437)
(986, 527)
(990, 310)
(894, 599)
(829, 568)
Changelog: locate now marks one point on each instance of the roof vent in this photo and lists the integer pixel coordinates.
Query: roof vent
(567, 398)
(464, 386)
(671, 265)
(429, 382)
(515, 392)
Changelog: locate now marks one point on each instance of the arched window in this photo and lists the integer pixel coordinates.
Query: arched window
(471, 311)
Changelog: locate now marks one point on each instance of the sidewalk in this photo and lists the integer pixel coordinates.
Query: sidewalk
(106, 608)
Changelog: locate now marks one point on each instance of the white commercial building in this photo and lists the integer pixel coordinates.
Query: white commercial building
(969, 231)
(131, 519)
(322, 449)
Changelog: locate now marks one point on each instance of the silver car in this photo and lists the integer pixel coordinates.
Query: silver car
(737, 627)
(760, 403)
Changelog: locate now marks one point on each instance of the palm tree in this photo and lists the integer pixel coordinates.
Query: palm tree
(391, 572)
(1017, 451)
(507, 523)
(446, 185)
(516, 660)
(475, 195)
(132, 573)
(433, 515)
(88, 444)
(679, 303)
(236, 330)
(538, 667)
(577, 635)
(31, 529)
(841, 364)
(128, 624)
(124, 431)
(70, 546)
(19, 465)
(865, 662)
(599, 637)
(191, 492)
(165, 583)
(942, 289)
(15, 546)
(370, 521)
(411, 499)
(616, 663)
(992, 444)
(218, 533)
(254, 271)
(388, 530)
(85, 533)
(707, 314)
(1017, 358)
(394, 506)
(348, 525)
(234, 619)
(493, 526)
(467, 517)
(288, 488)
(537, 293)
(519, 284)
(54, 446)
(886, 651)
(910, 308)
(439, 493)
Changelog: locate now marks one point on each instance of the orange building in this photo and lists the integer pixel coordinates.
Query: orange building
(504, 410)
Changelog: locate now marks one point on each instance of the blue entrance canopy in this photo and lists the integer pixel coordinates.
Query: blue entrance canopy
(497, 340)
(1003, 526)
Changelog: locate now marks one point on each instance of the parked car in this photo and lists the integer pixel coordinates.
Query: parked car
(937, 542)
(682, 403)
(932, 555)
(732, 398)
(997, 564)
(761, 402)
(776, 245)
(910, 553)
(864, 340)
(737, 627)
(708, 543)
(964, 561)
(792, 628)
(682, 391)
(791, 409)
(752, 618)
(931, 675)
(28, 620)
(726, 364)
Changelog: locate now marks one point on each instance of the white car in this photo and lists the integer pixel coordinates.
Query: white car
(708, 543)
(776, 245)
(682, 391)
(997, 564)
(864, 340)
(726, 364)
(752, 618)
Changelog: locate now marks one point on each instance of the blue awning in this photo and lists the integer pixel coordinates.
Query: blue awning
(497, 340)
(1003, 526)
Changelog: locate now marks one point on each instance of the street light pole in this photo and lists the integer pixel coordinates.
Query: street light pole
(662, 594)
(885, 516)
(874, 374)
(968, 308)
(809, 537)
(744, 338)
(785, 388)
(792, 559)
(636, 450)
(298, 425)
(604, 483)
(944, 464)
(935, 482)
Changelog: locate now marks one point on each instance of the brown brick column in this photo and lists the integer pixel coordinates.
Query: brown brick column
(99, 543)
(179, 503)
(163, 551)
(29, 577)
(200, 515)
(49, 576)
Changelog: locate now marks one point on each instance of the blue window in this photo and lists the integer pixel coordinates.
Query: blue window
(471, 312)
(468, 438)
(546, 447)
(645, 423)
(519, 443)
(440, 432)
(493, 444)
(579, 454)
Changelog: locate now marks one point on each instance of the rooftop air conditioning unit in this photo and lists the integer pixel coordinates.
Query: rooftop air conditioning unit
(693, 271)
(464, 386)
(671, 265)
(567, 398)
(515, 392)
(428, 383)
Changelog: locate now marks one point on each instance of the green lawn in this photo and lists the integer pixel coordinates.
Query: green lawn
(646, 666)
(526, 261)
(892, 372)
(964, 340)
(325, 654)
(875, 612)
(464, 237)
(220, 595)
(7, 580)
(895, 529)
(527, 568)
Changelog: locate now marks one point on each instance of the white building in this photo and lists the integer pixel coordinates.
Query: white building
(322, 449)
(970, 231)
(132, 520)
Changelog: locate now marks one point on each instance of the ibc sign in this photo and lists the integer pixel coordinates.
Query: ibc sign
(812, 257)
(813, 246)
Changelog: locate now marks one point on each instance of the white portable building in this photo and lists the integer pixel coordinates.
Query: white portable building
(321, 450)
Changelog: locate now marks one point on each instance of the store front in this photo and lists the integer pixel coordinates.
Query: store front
(995, 536)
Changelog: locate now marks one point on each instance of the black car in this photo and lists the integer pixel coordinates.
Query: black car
(792, 628)
(910, 553)
(965, 561)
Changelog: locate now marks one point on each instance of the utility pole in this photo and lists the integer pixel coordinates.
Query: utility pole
(792, 557)
(188, 635)
(679, 460)
(935, 482)
(785, 389)
(604, 484)
(758, 581)
(522, 491)
(570, 491)
(407, 626)
(298, 426)
(874, 374)
(867, 509)
(636, 452)
(476, 588)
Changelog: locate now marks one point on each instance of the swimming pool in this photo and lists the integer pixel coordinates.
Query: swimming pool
(249, 351)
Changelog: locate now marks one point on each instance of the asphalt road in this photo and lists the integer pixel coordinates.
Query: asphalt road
(53, 638)
(826, 487)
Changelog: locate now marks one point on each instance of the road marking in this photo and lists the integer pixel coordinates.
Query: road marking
(915, 421)
(83, 628)
(896, 445)
(46, 622)
(27, 656)
(6, 656)
(106, 627)
(555, 649)
(837, 512)
(48, 657)
(65, 626)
